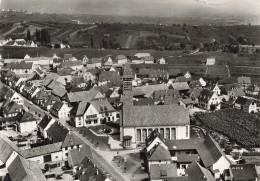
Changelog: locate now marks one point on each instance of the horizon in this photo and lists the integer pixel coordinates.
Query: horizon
(156, 8)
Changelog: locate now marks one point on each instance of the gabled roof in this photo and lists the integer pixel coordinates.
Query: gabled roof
(45, 121)
(78, 155)
(57, 105)
(174, 72)
(198, 173)
(195, 92)
(57, 132)
(164, 115)
(120, 57)
(12, 107)
(25, 170)
(238, 92)
(71, 140)
(58, 91)
(41, 150)
(244, 101)
(69, 64)
(180, 86)
(26, 117)
(159, 153)
(109, 76)
(187, 158)
(81, 108)
(161, 171)
(149, 89)
(83, 95)
(205, 95)
(102, 106)
(254, 88)
(177, 145)
(209, 151)
(77, 81)
(243, 172)
(7, 147)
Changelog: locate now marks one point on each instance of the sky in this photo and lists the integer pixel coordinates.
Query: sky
(163, 8)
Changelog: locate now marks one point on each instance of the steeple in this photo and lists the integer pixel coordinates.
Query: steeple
(127, 97)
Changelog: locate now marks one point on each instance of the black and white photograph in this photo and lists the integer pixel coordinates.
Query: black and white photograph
(130, 90)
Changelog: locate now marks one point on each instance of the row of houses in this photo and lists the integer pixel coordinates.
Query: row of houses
(191, 160)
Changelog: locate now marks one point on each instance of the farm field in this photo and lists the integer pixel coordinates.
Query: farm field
(217, 71)
(237, 125)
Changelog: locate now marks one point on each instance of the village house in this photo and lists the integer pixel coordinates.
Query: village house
(212, 156)
(30, 170)
(49, 101)
(252, 90)
(186, 103)
(57, 132)
(95, 63)
(71, 141)
(75, 65)
(44, 125)
(108, 76)
(196, 172)
(208, 100)
(234, 93)
(217, 90)
(88, 75)
(241, 172)
(46, 154)
(14, 96)
(120, 59)
(21, 68)
(211, 61)
(108, 62)
(8, 151)
(194, 95)
(11, 109)
(26, 123)
(60, 110)
(244, 82)
(245, 104)
(93, 113)
(161, 61)
(78, 82)
(76, 97)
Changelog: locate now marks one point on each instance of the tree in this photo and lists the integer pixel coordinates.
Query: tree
(28, 35)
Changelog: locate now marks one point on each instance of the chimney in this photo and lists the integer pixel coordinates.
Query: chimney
(69, 131)
(97, 171)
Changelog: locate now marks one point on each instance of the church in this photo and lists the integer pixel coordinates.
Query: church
(138, 122)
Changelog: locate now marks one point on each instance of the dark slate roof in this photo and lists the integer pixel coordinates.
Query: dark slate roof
(58, 91)
(12, 107)
(143, 102)
(174, 72)
(179, 86)
(25, 170)
(159, 153)
(82, 96)
(57, 105)
(71, 140)
(78, 155)
(109, 76)
(205, 95)
(57, 132)
(238, 92)
(68, 64)
(164, 115)
(41, 150)
(26, 117)
(6, 148)
(187, 158)
(244, 101)
(159, 171)
(209, 151)
(198, 173)
(102, 106)
(189, 144)
(244, 172)
(45, 121)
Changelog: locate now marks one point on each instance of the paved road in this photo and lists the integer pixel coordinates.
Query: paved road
(99, 155)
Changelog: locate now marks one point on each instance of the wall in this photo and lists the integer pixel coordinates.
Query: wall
(221, 165)
(181, 132)
(28, 126)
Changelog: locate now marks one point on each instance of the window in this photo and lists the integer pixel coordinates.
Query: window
(187, 131)
(56, 157)
(183, 166)
(95, 121)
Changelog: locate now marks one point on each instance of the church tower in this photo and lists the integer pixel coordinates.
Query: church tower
(127, 97)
